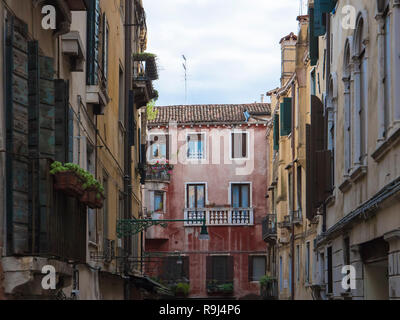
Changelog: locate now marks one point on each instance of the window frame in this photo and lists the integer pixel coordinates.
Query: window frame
(204, 144)
(158, 193)
(251, 265)
(231, 143)
(230, 192)
(151, 158)
(187, 185)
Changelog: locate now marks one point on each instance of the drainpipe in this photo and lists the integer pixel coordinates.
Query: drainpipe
(127, 149)
(293, 187)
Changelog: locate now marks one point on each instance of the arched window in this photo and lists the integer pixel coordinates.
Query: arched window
(347, 107)
(360, 89)
(332, 111)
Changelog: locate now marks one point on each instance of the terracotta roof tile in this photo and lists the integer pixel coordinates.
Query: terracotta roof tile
(224, 113)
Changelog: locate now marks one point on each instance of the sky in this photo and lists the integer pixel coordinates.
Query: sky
(232, 48)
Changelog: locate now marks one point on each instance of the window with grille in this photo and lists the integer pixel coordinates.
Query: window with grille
(196, 146)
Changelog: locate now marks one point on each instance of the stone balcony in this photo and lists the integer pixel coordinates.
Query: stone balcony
(220, 217)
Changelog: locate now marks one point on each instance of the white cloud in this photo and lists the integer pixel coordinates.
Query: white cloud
(232, 47)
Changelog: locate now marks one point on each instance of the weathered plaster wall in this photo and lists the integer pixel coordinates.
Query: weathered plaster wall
(242, 240)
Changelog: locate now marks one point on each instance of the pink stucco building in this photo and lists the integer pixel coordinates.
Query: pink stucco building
(208, 161)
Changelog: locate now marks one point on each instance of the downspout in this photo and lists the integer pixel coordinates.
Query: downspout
(293, 187)
(327, 77)
(127, 149)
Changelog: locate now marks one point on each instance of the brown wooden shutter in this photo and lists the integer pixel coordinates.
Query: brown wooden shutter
(250, 265)
(230, 269)
(323, 174)
(309, 178)
(244, 145)
(209, 268)
(185, 268)
(168, 138)
(62, 117)
(233, 145)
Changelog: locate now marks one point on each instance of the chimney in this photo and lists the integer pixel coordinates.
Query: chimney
(262, 98)
(288, 63)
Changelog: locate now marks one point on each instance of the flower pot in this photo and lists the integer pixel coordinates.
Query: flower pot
(89, 198)
(99, 202)
(69, 183)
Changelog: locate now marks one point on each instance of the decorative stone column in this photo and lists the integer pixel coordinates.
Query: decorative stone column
(356, 262)
(381, 75)
(393, 238)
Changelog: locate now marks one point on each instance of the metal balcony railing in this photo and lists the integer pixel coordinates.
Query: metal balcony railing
(220, 216)
(155, 173)
(269, 227)
(295, 217)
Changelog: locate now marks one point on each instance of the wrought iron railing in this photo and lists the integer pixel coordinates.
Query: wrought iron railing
(269, 227)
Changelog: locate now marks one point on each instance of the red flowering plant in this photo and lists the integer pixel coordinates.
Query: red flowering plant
(160, 167)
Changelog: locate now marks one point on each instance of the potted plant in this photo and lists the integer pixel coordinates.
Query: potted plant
(267, 287)
(182, 289)
(214, 287)
(93, 195)
(77, 182)
(67, 180)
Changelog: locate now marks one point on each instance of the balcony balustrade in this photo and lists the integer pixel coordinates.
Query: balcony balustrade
(220, 217)
(295, 218)
(269, 228)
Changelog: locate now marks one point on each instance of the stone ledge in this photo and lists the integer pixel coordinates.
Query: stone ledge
(384, 147)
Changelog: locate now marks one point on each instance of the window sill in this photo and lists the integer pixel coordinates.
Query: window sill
(346, 185)
(358, 173)
(93, 244)
(384, 147)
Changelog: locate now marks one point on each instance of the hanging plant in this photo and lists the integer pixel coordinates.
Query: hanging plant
(151, 111)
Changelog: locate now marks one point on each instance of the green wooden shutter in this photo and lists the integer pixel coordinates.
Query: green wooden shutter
(319, 25)
(326, 6)
(276, 132)
(313, 39)
(17, 165)
(286, 117)
(93, 42)
(62, 121)
(41, 141)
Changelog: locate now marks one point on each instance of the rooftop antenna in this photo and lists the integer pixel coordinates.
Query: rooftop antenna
(185, 68)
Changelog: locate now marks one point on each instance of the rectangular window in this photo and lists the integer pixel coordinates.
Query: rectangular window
(158, 201)
(175, 269)
(121, 113)
(290, 192)
(196, 196)
(330, 270)
(239, 145)
(220, 269)
(257, 267)
(159, 147)
(196, 146)
(308, 257)
(105, 49)
(299, 188)
(240, 195)
(313, 83)
(298, 263)
(388, 66)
